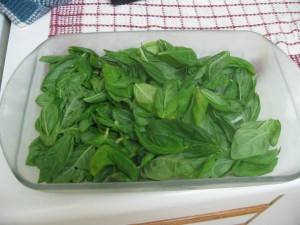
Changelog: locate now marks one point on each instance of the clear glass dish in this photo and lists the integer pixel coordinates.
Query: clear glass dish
(278, 85)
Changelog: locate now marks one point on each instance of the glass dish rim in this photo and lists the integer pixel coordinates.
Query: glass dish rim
(153, 185)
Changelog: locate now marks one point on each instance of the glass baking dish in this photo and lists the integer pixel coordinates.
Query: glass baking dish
(278, 83)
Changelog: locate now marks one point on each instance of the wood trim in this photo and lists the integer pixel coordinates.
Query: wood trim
(258, 214)
(209, 216)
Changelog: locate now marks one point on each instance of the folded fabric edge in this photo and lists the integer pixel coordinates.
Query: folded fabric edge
(53, 3)
(23, 15)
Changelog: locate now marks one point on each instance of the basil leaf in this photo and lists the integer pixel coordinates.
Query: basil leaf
(170, 166)
(246, 169)
(44, 99)
(255, 138)
(222, 167)
(216, 64)
(77, 165)
(96, 98)
(36, 150)
(237, 62)
(178, 56)
(73, 112)
(197, 109)
(84, 67)
(100, 159)
(144, 95)
(159, 71)
(49, 124)
(216, 101)
(266, 158)
(160, 141)
(60, 68)
(244, 83)
(252, 109)
(122, 57)
(116, 83)
(165, 100)
(55, 159)
(97, 84)
(124, 164)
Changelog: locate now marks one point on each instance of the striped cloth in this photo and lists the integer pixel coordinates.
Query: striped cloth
(278, 20)
(25, 12)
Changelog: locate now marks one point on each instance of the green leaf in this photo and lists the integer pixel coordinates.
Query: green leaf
(161, 168)
(76, 50)
(146, 159)
(160, 141)
(96, 98)
(144, 95)
(55, 158)
(36, 150)
(252, 109)
(59, 69)
(184, 99)
(84, 67)
(216, 101)
(217, 63)
(121, 56)
(97, 84)
(77, 165)
(100, 159)
(222, 167)
(49, 124)
(245, 84)
(192, 80)
(96, 61)
(123, 116)
(116, 83)
(104, 175)
(88, 111)
(197, 109)
(163, 45)
(124, 121)
(157, 46)
(54, 58)
(165, 100)
(226, 125)
(266, 158)
(218, 82)
(216, 134)
(73, 112)
(124, 164)
(255, 138)
(84, 125)
(246, 169)
(231, 91)
(117, 176)
(178, 56)
(270, 125)
(141, 116)
(236, 62)
(44, 99)
(197, 149)
(207, 166)
(86, 136)
(158, 70)
(170, 166)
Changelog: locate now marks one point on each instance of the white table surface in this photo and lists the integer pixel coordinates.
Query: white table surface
(21, 205)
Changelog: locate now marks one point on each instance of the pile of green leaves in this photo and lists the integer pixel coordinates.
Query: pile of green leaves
(157, 112)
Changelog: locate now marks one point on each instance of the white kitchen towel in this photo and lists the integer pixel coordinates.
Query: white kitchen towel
(278, 20)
